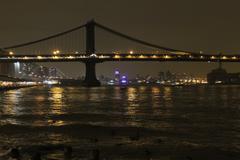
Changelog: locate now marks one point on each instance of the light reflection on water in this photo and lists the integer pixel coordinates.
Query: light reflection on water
(10, 102)
(56, 96)
(211, 114)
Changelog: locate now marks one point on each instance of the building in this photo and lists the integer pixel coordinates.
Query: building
(42, 72)
(117, 77)
(52, 72)
(220, 76)
(234, 78)
(7, 69)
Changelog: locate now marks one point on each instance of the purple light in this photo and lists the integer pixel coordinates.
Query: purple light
(124, 77)
(123, 81)
(117, 72)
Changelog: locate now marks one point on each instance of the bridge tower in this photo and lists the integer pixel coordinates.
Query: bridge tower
(90, 76)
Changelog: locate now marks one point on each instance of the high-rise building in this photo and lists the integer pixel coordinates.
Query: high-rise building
(123, 80)
(117, 76)
(7, 69)
(52, 72)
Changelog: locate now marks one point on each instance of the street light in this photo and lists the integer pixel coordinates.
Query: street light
(56, 52)
(11, 53)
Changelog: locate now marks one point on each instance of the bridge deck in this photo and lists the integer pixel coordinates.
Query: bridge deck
(102, 57)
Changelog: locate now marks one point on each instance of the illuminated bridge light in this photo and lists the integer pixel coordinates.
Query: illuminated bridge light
(102, 56)
(234, 57)
(213, 57)
(93, 56)
(129, 56)
(201, 57)
(70, 57)
(55, 57)
(167, 57)
(39, 57)
(117, 56)
(142, 56)
(154, 56)
(224, 57)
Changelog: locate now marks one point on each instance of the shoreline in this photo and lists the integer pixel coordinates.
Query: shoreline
(7, 88)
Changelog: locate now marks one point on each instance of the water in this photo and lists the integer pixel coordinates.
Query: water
(139, 122)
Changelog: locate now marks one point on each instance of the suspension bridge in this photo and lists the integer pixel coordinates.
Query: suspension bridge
(67, 47)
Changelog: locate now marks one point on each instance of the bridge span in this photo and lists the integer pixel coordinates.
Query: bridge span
(90, 56)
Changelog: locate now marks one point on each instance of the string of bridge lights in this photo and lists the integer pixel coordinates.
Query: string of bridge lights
(57, 54)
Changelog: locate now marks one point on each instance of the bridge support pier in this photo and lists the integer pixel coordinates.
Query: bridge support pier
(90, 76)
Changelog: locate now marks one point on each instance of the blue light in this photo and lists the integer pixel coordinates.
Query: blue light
(124, 81)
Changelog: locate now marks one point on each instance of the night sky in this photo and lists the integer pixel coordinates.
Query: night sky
(210, 26)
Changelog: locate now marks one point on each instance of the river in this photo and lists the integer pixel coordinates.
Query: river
(135, 122)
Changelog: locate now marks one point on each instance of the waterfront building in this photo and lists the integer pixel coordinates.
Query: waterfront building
(7, 69)
(117, 77)
(220, 76)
